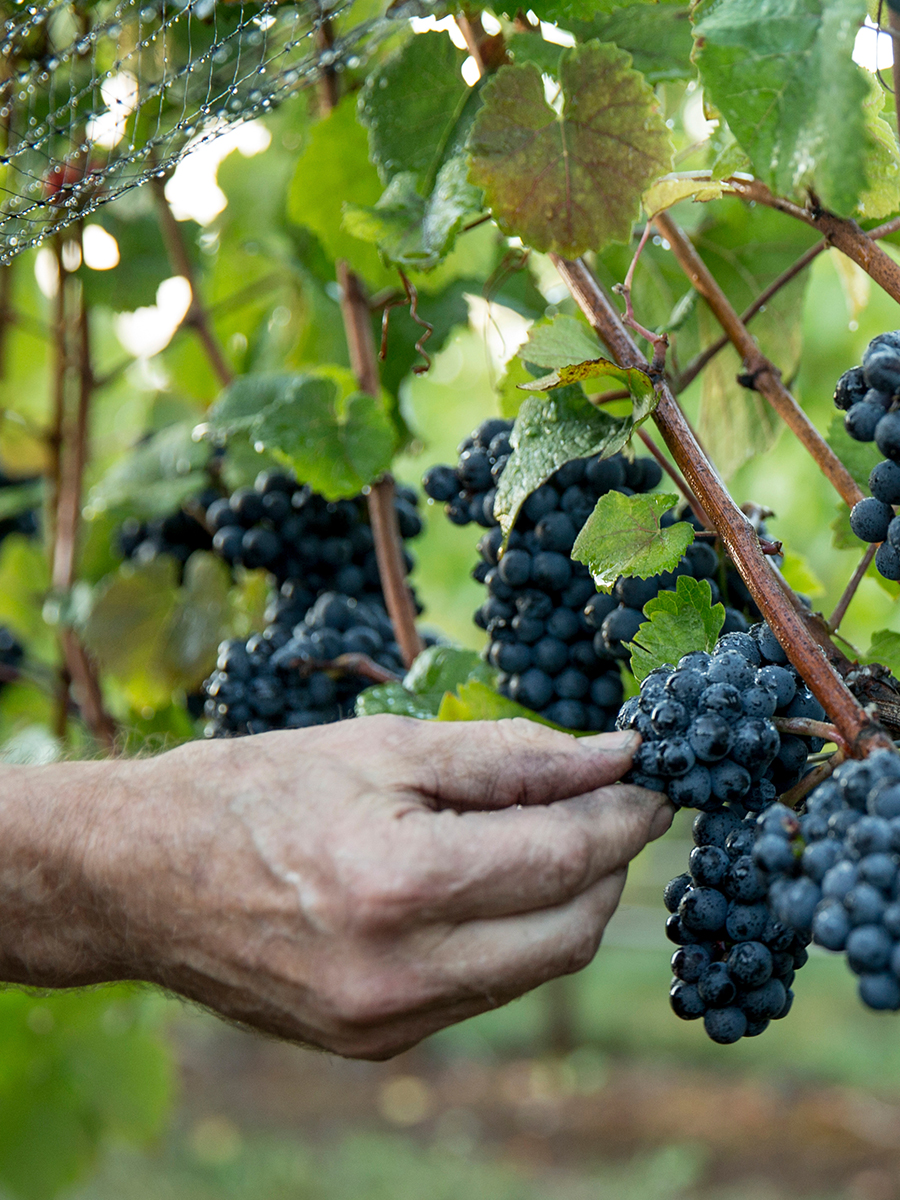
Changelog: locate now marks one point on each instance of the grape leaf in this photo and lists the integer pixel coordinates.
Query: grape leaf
(156, 477)
(437, 671)
(882, 191)
(553, 429)
(884, 650)
(842, 536)
(800, 575)
(475, 701)
(187, 652)
(334, 442)
(333, 167)
(559, 12)
(409, 103)
(511, 397)
(636, 381)
(677, 623)
(858, 457)
(558, 341)
(419, 113)
(657, 36)
(531, 47)
(569, 181)
(394, 698)
(623, 536)
(782, 75)
(680, 186)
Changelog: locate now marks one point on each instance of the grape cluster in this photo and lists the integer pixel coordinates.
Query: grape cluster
(557, 644)
(834, 871)
(177, 535)
(736, 961)
(868, 394)
(274, 680)
(707, 730)
(309, 544)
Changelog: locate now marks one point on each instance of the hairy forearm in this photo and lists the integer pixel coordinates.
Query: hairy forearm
(54, 931)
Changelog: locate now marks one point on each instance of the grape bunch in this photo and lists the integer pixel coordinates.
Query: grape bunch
(868, 394)
(274, 680)
(177, 535)
(707, 729)
(557, 644)
(834, 872)
(736, 961)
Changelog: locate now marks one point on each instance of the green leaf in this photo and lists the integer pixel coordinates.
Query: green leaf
(336, 443)
(636, 381)
(395, 698)
(623, 536)
(416, 232)
(657, 36)
(475, 701)
(842, 536)
(881, 196)
(419, 111)
(782, 75)
(885, 651)
(800, 575)
(509, 393)
(553, 429)
(558, 341)
(437, 671)
(678, 623)
(187, 652)
(156, 477)
(561, 12)
(569, 181)
(680, 186)
(410, 103)
(858, 457)
(334, 167)
(530, 47)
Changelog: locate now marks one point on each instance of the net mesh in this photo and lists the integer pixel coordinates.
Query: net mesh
(97, 98)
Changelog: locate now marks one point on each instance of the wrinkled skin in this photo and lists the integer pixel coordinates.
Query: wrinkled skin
(354, 887)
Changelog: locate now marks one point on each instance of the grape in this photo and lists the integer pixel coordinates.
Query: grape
(881, 367)
(850, 389)
(884, 482)
(725, 1025)
(870, 518)
(261, 685)
(862, 420)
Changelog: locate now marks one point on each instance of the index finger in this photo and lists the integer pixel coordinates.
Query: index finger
(497, 764)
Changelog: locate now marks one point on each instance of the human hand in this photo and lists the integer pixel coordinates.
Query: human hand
(360, 885)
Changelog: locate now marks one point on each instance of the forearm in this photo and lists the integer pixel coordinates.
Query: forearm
(54, 930)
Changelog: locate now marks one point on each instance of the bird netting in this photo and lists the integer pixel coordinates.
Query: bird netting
(97, 97)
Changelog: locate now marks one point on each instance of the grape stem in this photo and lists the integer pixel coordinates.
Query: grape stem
(807, 727)
(679, 480)
(69, 452)
(857, 727)
(659, 341)
(840, 232)
(843, 604)
(346, 664)
(764, 374)
(696, 365)
(380, 495)
(812, 779)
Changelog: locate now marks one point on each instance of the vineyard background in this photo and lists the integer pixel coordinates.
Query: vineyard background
(584, 1088)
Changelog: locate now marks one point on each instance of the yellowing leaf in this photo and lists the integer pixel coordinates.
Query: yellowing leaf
(686, 186)
(569, 181)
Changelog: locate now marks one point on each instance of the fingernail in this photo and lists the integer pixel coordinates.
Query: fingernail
(621, 739)
(662, 819)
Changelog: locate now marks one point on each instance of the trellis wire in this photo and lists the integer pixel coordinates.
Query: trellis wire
(97, 98)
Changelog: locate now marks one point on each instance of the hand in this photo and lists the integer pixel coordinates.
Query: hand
(360, 885)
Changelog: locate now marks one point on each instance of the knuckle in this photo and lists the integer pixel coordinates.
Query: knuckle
(379, 900)
(582, 950)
